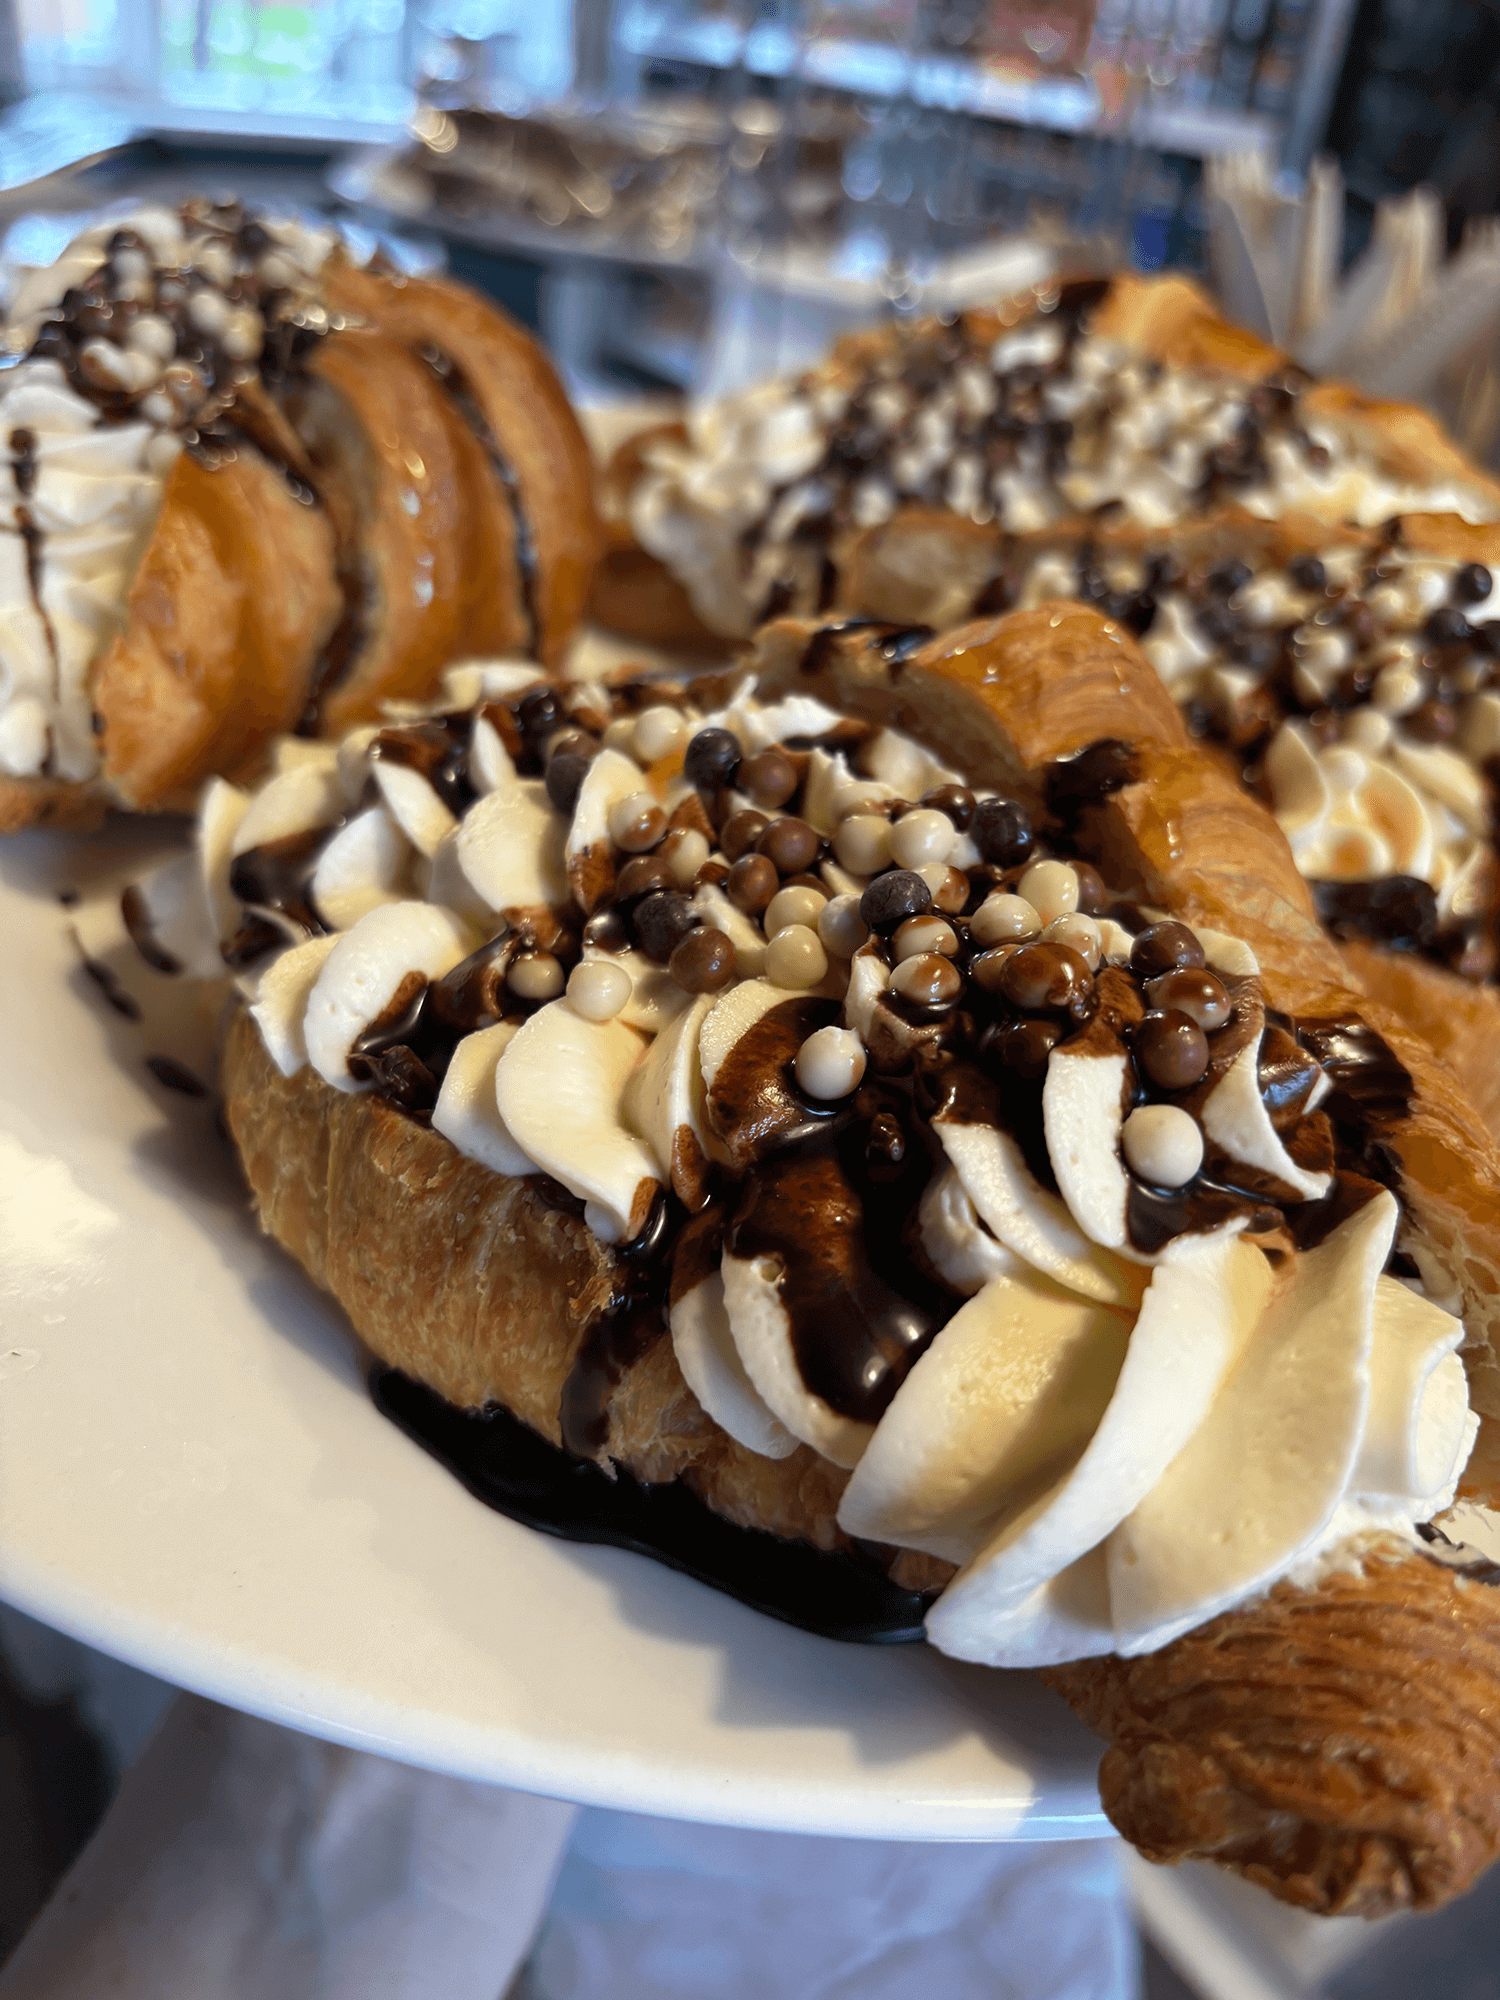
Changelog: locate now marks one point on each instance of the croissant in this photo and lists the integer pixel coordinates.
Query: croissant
(1127, 397)
(818, 1099)
(260, 489)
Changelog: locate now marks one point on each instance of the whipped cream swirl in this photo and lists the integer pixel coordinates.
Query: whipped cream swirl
(1005, 1195)
(1022, 425)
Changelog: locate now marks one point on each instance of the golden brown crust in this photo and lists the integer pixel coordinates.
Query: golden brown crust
(529, 414)
(70, 805)
(1459, 1017)
(471, 1282)
(411, 500)
(228, 612)
(1339, 1746)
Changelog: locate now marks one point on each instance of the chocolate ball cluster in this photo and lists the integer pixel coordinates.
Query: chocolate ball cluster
(170, 334)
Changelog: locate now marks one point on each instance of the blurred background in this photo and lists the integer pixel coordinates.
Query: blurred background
(683, 196)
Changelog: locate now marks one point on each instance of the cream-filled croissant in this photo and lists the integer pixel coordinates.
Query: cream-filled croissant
(898, 1098)
(256, 488)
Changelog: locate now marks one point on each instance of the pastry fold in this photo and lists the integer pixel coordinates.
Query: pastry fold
(475, 1284)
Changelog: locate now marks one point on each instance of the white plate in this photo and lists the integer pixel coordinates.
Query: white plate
(193, 1479)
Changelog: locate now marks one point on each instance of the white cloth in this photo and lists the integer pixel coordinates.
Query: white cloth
(243, 1862)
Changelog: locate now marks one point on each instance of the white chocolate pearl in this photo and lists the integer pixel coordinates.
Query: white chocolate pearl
(840, 926)
(949, 886)
(831, 1062)
(685, 852)
(620, 735)
(1000, 919)
(658, 732)
(919, 934)
(598, 990)
(863, 844)
(1398, 689)
(1163, 1144)
(536, 976)
(920, 837)
(1082, 933)
(795, 958)
(153, 335)
(1051, 888)
(243, 336)
(855, 796)
(800, 905)
(636, 822)
(209, 312)
(928, 979)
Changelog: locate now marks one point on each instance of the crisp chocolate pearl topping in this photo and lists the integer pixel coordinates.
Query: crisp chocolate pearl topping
(607, 932)
(1172, 1049)
(957, 801)
(662, 921)
(712, 759)
(1045, 976)
(1472, 584)
(893, 897)
(1001, 831)
(768, 778)
(1093, 897)
(1162, 948)
(641, 876)
(703, 961)
(565, 773)
(751, 883)
(790, 845)
(539, 712)
(740, 833)
(572, 743)
(1024, 1046)
(1308, 573)
(1446, 626)
(1198, 994)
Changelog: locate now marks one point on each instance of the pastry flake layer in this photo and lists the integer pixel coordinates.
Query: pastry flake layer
(1004, 1194)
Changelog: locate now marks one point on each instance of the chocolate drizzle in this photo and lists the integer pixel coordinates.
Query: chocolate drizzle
(23, 465)
(277, 876)
(828, 1200)
(632, 1322)
(460, 393)
(843, 1594)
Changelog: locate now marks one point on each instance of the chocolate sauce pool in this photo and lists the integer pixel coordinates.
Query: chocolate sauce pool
(509, 1467)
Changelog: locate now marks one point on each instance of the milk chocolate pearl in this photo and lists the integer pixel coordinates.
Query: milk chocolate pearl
(740, 832)
(1001, 831)
(1162, 948)
(1045, 976)
(703, 962)
(751, 883)
(790, 844)
(565, 774)
(1172, 1049)
(1093, 897)
(572, 743)
(641, 875)
(928, 980)
(957, 801)
(712, 759)
(608, 931)
(1024, 1046)
(768, 778)
(893, 897)
(662, 921)
(1199, 995)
